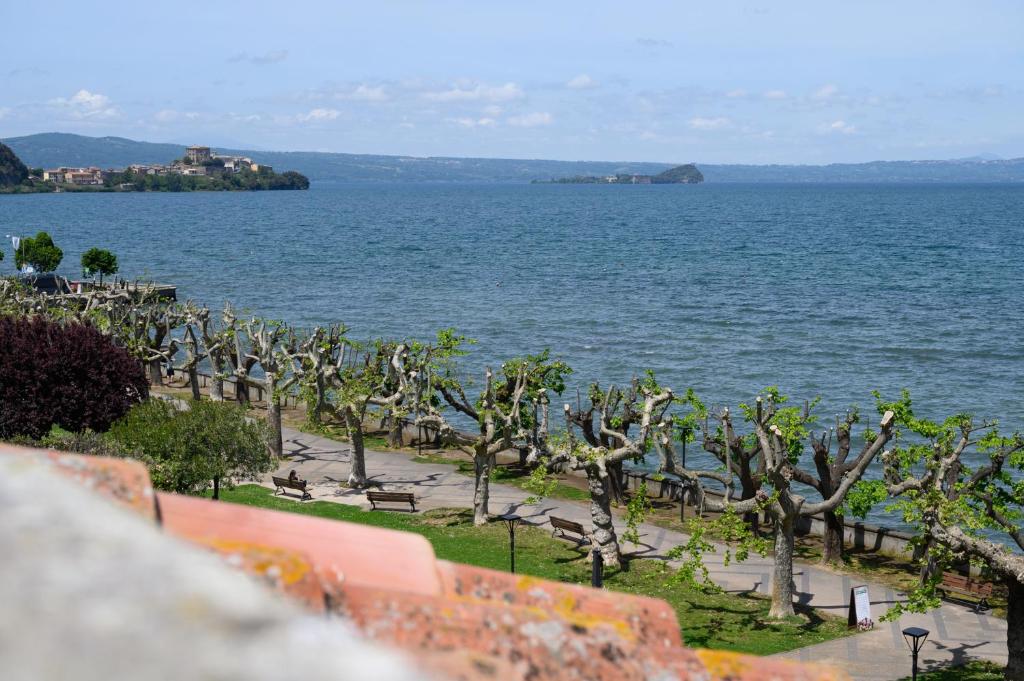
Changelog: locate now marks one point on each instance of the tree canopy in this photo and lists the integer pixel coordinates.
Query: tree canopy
(39, 252)
(99, 261)
(12, 170)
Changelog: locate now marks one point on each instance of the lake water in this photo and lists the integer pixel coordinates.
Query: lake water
(820, 289)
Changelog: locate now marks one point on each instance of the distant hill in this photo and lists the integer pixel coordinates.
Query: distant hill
(685, 174)
(54, 149)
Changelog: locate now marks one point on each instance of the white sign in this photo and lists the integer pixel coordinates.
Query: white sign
(860, 608)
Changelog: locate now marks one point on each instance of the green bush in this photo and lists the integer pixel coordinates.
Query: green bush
(187, 450)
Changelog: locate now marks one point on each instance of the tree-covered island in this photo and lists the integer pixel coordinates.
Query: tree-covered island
(684, 174)
(198, 170)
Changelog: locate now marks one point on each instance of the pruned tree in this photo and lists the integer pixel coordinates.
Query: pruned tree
(316, 361)
(605, 444)
(963, 513)
(830, 468)
(741, 454)
(264, 339)
(381, 381)
(502, 412)
(781, 432)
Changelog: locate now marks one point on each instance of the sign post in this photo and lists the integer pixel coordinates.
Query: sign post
(860, 609)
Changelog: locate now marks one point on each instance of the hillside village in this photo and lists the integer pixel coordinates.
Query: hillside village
(197, 161)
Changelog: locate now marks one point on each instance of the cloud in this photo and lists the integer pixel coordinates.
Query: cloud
(532, 120)
(653, 42)
(700, 123)
(480, 92)
(84, 104)
(272, 57)
(493, 110)
(171, 115)
(365, 93)
(474, 122)
(840, 126)
(825, 92)
(318, 115)
(4, 111)
(775, 94)
(27, 71)
(736, 94)
(581, 82)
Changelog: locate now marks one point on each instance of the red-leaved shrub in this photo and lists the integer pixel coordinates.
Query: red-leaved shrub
(69, 375)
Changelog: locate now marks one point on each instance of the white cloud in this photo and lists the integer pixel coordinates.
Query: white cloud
(839, 126)
(493, 110)
(84, 104)
(581, 82)
(825, 92)
(460, 93)
(317, 115)
(366, 93)
(474, 122)
(653, 42)
(736, 94)
(171, 115)
(4, 111)
(532, 120)
(272, 57)
(775, 94)
(700, 123)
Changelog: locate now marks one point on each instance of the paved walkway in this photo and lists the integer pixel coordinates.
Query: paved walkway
(957, 633)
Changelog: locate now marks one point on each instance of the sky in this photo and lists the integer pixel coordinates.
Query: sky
(715, 82)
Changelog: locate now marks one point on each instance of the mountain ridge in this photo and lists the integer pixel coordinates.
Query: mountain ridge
(54, 149)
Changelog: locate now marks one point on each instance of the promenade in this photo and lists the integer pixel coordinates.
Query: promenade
(957, 633)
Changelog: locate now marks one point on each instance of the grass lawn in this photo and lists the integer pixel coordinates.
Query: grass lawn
(973, 671)
(728, 622)
(514, 476)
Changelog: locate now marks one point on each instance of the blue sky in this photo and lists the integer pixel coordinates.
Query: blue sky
(746, 81)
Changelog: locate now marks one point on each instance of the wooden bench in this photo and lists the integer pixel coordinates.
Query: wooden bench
(954, 582)
(374, 496)
(285, 483)
(567, 527)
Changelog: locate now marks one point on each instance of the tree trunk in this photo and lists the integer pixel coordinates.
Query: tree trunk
(216, 487)
(357, 462)
(782, 585)
(832, 553)
(603, 534)
(615, 479)
(482, 492)
(156, 376)
(241, 391)
(275, 440)
(217, 388)
(1015, 630)
(193, 382)
(319, 400)
(395, 432)
(749, 491)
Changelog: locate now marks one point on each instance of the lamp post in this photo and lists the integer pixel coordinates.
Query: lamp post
(511, 522)
(683, 488)
(915, 638)
(596, 568)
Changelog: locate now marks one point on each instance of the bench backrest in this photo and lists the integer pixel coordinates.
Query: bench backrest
(563, 524)
(389, 496)
(964, 583)
(285, 482)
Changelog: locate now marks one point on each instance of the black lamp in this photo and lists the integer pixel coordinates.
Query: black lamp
(511, 522)
(915, 638)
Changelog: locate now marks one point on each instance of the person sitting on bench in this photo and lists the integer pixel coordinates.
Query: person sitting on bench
(293, 476)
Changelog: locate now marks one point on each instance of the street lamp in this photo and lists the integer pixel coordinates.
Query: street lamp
(511, 522)
(915, 638)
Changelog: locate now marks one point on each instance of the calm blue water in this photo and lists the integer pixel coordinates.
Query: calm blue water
(822, 290)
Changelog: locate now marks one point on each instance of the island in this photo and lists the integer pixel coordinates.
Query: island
(199, 169)
(684, 174)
